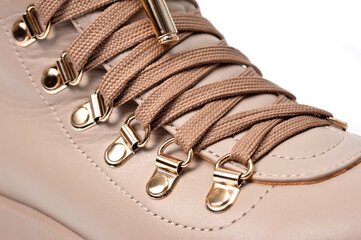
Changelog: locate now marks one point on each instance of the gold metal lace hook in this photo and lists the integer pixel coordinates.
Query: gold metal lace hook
(57, 77)
(27, 29)
(167, 173)
(124, 148)
(226, 185)
(90, 113)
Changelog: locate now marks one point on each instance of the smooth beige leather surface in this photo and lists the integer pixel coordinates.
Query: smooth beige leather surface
(50, 167)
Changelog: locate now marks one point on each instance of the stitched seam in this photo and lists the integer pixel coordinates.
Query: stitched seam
(315, 155)
(317, 171)
(294, 158)
(306, 174)
(312, 156)
(78, 24)
(103, 173)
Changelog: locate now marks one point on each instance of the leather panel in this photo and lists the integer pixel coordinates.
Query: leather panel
(51, 167)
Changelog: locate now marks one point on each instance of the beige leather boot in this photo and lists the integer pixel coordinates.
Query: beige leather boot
(123, 121)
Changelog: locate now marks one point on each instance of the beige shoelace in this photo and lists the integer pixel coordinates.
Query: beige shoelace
(174, 77)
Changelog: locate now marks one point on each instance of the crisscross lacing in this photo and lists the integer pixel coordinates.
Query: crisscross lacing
(172, 79)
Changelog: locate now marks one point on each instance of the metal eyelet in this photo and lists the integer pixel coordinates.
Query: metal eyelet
(125, 146)
(27, 29)
(167, 173)
(226, 185)
(90, 113)
(57, 77)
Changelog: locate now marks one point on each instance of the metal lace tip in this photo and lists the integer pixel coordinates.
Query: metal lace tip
(339, 123)
(161, 21)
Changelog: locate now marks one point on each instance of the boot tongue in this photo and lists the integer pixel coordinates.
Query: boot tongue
(277, 166)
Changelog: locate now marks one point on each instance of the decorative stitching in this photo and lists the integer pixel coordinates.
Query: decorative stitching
(312, 156)
(315, 155)
(104, 174)
(78, 24)
(303, 174)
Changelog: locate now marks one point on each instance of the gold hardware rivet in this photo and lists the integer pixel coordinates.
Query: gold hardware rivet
(116, 152)
(158, 185)
(27, 29)
(167, 172)
(219, 197)
(80, 116)
(50, 78)
(169, 39)
(20, 31)
(226, 185)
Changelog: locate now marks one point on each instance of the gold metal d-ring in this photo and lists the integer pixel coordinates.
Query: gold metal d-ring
(64, 64)
(47, 29)
(147, 131)
(170, 141)
(108, 109)
(243, 176)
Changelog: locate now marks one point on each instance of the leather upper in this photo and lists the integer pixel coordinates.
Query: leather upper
(49, 166)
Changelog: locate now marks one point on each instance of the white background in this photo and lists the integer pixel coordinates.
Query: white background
(311, 47)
